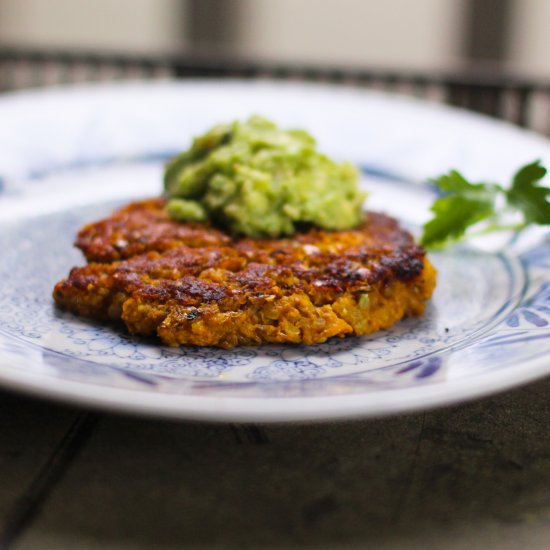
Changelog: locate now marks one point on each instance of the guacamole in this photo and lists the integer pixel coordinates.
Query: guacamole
(258, 180)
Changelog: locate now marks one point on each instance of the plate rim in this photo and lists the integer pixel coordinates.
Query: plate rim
(253, 409)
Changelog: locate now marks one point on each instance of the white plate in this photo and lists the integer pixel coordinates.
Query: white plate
(70, 156)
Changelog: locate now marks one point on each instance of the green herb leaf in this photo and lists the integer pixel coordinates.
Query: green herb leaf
(453, 216)
(464, 205)
(527, 196)
(455, 182)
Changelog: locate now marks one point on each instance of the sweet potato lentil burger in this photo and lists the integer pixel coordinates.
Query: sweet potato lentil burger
(258, 238)
(190, 283)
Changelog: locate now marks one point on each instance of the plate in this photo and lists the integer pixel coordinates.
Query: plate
(69, 156)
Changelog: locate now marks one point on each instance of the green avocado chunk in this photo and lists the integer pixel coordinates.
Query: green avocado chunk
(258, 180)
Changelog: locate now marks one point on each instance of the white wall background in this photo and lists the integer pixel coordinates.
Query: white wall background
(136, 25)
(530, 37)
(401, 33)
(412, 34)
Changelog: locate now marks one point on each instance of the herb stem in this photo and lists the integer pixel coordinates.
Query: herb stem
(497, 227)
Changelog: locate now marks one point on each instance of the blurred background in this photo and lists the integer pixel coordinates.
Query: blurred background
(504, 43)
(424, 34)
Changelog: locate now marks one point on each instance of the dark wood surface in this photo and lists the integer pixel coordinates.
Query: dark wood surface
(471, 476)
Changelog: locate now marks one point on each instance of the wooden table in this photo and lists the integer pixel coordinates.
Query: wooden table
(469, 476)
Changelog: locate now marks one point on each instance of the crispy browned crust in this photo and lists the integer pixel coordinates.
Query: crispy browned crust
(193, 284)
(141, 227)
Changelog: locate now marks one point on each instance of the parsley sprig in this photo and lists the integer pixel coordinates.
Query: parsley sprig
(488, 206)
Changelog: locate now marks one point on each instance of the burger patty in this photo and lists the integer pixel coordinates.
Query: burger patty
(192, 284)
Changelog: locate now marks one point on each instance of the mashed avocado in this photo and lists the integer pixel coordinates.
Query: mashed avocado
(261, 181)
